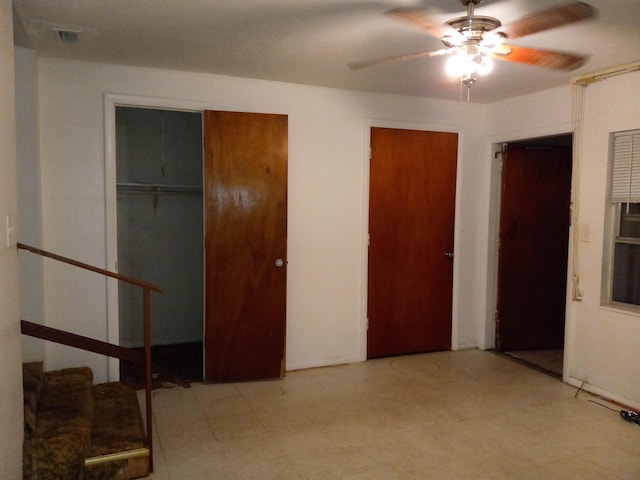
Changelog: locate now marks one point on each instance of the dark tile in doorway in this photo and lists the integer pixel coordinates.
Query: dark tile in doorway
(178, 364)
(549, 360)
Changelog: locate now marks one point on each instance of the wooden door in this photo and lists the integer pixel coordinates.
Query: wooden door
(411, 227)
(534, 239)
(245, 245)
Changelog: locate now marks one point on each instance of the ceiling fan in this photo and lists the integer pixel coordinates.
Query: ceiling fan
(474, 40)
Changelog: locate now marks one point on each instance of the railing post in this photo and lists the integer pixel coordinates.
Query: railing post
(147, 371)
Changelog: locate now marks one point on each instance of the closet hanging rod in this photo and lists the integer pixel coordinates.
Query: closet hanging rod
(154, 189)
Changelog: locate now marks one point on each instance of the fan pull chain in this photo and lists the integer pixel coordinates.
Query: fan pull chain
(468, 85)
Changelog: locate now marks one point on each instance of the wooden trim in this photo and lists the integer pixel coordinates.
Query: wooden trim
(79, 341)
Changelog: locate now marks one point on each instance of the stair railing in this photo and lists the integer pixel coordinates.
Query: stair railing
(100, 347)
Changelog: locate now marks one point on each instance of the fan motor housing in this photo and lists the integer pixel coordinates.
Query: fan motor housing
(474, 27)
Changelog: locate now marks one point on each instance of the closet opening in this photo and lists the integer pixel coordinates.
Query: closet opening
(159, 179)
(535, 211)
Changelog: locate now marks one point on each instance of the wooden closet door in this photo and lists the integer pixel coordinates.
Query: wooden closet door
(411, 225)
(245, 245)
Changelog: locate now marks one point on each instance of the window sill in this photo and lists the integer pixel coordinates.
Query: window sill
(622, 308)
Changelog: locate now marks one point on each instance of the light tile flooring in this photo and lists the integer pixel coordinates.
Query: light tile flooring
(459, 415)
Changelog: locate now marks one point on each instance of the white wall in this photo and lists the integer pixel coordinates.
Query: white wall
(601, 343)
(29, 203)
(327, 205)
(327, 200)
(11, 415)
(604, 341)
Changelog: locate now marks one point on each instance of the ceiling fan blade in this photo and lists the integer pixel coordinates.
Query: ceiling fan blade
(420, 18)
(398, 58)
(538, 57)
(547, 19)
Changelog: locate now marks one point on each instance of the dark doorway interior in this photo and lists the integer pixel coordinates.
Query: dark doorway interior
(173, 365)
(160, 236)
(533, 255)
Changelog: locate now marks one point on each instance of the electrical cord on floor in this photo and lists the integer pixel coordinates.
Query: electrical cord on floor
(604, 406)
(628, 415)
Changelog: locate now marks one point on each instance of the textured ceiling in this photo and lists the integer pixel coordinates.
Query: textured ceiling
(312, 41)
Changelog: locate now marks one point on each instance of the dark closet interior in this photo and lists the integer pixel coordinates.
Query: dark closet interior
(160, 237)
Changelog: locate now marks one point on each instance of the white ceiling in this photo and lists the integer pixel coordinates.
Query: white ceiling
(312, 41)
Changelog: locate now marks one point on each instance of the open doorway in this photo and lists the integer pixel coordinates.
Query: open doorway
(533, 250)
(159, 164)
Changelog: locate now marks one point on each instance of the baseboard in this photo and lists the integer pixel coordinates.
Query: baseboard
(323, 363)
(466, 346)
(624, 403)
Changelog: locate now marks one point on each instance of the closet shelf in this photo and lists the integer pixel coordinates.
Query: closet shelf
(155, 189)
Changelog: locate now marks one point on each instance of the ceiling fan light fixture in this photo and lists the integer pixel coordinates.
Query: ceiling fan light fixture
(463, 65)
(450, 41)
(485, 66)
(458, 65)
(491, 40)
(474, 41)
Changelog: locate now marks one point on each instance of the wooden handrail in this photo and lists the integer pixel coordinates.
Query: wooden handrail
(84, 343)
(86, 266)
(97, 346)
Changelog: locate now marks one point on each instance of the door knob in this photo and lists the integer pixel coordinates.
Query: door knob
(279, 262)
(448, 254)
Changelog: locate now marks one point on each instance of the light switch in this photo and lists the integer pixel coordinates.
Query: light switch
(8, 231)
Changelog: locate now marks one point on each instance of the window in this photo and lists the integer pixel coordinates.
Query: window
(625, 199)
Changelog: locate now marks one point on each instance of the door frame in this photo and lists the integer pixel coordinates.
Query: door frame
(111, 101)
(495, 192)
(400, 125)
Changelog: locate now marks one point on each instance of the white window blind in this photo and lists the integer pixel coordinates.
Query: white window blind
(625, 184)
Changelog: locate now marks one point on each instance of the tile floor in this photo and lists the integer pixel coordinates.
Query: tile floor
(459, 415)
